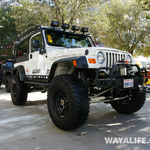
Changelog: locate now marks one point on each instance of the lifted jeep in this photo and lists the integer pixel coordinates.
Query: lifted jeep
(74, 72)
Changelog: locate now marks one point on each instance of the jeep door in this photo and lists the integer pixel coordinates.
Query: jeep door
(37, 65)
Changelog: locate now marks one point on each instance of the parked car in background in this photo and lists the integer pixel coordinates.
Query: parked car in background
(5, 73)
(0, 72)
(148, 75)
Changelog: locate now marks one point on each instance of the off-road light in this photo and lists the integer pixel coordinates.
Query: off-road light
(83, 29)
(100, 57)
(129, 58)
(65, 26)
(75, 28)
(54, 24)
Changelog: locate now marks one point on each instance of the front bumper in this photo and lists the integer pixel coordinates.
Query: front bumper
(118, 81)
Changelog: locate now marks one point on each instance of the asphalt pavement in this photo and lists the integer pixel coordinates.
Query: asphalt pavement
(29, 127)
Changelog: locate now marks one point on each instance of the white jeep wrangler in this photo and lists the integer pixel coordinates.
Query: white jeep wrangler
(74, 72)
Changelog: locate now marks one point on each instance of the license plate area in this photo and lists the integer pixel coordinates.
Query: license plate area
(128, 83)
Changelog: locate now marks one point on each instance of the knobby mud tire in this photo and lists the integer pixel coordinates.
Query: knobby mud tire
(18, 91)
(7, 83)
(136, 102)
(68, 102)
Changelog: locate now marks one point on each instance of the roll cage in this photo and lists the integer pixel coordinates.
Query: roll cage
(33, 28)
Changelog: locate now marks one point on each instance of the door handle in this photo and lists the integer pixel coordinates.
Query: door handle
(30, 56)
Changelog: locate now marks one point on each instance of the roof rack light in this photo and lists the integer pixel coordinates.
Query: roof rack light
(75, 28)
(54, 24)
(65, 26)
(84, 29)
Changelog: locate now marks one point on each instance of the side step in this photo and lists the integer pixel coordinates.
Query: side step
(37, 83)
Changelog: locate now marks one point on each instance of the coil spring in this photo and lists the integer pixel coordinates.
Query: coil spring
(83, 77)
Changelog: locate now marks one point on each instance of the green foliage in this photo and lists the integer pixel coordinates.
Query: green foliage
(73, 11)
(123, 25)
(145, 5)
(7, 31)
(32, 12)
(117, 23)
(64, 11)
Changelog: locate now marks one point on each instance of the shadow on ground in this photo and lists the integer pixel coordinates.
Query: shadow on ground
(32, 121)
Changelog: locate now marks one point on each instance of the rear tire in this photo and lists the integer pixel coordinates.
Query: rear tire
(18, 91)
(68, 102)
(7, 83)
(132, 104)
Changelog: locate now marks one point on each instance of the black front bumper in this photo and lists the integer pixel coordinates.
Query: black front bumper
(118, 82)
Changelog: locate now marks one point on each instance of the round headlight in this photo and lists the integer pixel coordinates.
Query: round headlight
(129, 58)
(100, 57)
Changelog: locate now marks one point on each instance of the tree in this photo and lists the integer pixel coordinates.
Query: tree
(73, 11)
(145, 5)
(32, 12)
(123, 25)
(43, 12)
(7, 31)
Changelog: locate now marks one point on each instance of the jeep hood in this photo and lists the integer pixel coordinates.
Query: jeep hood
(62, 52)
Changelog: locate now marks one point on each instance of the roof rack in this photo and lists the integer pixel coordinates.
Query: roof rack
(29, 30)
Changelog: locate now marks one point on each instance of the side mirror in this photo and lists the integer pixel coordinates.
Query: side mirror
(36, 44)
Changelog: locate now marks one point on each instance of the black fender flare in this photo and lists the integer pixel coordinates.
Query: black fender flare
(81, 62)
(19, 70)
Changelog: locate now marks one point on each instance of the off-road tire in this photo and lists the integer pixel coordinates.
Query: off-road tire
(68, 102)
(18, 91)
(7, 83)
(136, 102)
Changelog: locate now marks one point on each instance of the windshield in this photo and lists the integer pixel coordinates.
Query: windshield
(65, 39)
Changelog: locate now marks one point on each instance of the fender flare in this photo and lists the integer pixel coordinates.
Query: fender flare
(19, 70)
(80, 60)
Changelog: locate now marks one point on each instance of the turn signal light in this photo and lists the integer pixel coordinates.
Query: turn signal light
(92, 61)
(126, 61)
(74, 63)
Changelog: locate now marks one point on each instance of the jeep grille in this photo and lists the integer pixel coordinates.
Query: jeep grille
(112, 58)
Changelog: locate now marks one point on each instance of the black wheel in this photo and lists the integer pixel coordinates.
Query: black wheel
(0, 84)
(18, 91)
(7, 83)
(68, 102)
(132, 104)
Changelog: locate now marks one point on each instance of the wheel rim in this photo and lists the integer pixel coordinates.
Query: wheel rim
(61, 103)
(14, 89)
